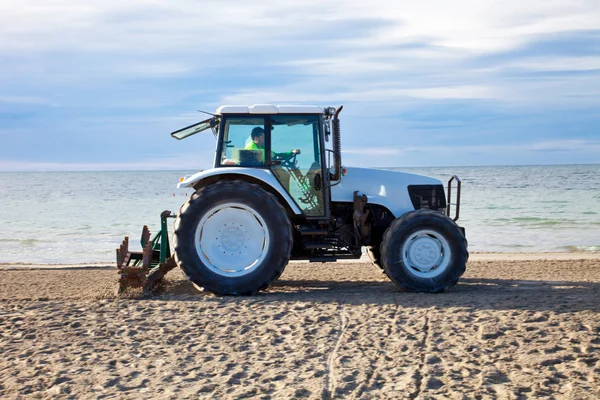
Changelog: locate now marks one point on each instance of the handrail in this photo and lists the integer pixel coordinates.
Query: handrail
(457, 204)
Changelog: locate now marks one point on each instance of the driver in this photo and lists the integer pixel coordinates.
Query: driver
(258, 143)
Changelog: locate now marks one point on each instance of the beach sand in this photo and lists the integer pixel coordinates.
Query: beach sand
(514, 327)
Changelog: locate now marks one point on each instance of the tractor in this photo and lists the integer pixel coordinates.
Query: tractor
(278, 192)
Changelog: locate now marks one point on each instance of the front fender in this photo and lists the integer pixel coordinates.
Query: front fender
(263, 175)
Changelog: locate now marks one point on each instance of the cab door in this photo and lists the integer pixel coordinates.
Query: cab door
(296, 160)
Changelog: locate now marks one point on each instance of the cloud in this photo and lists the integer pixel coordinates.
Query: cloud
(25, 100)
(157, 162)
(571, 152)
(569, 145)
(477, 26)
(370, 151)
(121, 72)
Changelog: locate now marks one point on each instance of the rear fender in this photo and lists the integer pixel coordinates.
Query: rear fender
(263, 177)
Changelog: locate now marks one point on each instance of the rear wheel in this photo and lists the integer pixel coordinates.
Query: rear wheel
(232, 238)
(424, 251)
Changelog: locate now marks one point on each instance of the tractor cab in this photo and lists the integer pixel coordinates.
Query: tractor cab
(286, 141)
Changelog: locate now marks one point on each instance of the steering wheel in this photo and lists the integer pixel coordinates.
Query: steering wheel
(288, 160)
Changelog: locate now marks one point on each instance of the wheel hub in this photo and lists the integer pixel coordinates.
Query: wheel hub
(426, 253)
(232, 239)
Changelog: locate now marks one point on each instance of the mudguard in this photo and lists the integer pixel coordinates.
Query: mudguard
(264, 175)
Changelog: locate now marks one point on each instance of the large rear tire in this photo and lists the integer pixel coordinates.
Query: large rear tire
(424, 251)
(232, 238)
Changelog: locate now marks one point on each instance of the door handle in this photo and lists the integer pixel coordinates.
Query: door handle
(317, 181)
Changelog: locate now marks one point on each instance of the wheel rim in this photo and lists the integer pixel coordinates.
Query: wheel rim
(232, 239)
(426, 254)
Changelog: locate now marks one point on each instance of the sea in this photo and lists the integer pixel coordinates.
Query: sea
(81, 217)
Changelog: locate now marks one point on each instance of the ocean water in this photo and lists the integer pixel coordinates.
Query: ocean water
(81, 217)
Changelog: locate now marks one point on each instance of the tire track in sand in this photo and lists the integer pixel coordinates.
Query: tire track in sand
(363, 388)
(419, 373)
(330, 378)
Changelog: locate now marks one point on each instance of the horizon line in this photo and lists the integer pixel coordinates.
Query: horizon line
(374, 167)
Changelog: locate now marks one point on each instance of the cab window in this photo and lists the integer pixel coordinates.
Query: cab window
(239, 147)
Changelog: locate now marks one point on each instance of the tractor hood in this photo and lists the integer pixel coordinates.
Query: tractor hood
(384, 187)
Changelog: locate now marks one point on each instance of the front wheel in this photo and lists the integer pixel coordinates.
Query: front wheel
(424, 251)
(232, 238)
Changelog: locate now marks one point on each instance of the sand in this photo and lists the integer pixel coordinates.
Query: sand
(512, 328)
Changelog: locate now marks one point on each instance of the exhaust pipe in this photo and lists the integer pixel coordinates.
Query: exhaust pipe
(337, 147)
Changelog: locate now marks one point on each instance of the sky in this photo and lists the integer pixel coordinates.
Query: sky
(99, 85)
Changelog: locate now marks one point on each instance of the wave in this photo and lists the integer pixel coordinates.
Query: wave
(516, 246)
(25, 242)
(536, 221)
(527, 219)
(582, 249)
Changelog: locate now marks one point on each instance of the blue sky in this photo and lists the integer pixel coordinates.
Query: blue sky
(99, 85)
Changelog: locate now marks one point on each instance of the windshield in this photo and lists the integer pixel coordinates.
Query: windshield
(193, 129)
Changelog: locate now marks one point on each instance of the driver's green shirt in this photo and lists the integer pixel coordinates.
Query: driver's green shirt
(254, 146)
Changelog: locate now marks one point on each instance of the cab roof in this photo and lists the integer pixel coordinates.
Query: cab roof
(248, 110)
(270, 109)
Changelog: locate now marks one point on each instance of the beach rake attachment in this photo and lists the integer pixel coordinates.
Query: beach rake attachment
(144, 269)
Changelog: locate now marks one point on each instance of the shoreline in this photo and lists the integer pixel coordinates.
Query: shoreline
(488, 256)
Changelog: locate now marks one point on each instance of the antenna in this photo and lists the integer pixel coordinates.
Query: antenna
(206, 112)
